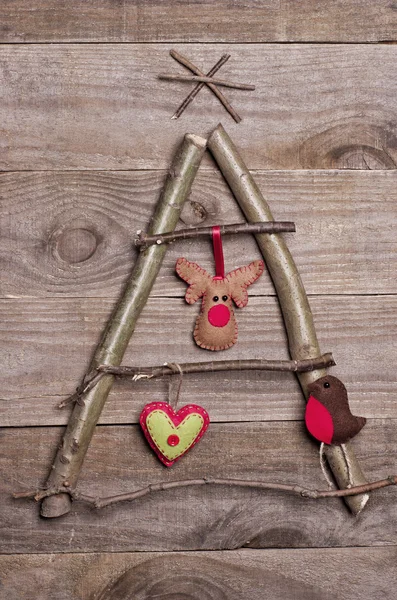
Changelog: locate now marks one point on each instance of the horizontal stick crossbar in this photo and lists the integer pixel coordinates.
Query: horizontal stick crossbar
(137, 373)
(235, 228)
(170, 485)
(214, 80)
(294, 366)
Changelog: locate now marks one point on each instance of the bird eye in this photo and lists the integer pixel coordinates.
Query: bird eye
(224, 298)
(215, 298)
(327, 384)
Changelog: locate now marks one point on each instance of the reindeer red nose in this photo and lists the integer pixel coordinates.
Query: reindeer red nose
(219, 315)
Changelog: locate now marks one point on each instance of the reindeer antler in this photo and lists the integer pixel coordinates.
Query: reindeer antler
(241, 278)
(195, 276)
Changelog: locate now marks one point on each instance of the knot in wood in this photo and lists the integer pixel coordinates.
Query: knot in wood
(76, 245)
(193, 213)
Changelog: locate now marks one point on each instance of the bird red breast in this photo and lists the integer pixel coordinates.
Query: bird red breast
(328, 416)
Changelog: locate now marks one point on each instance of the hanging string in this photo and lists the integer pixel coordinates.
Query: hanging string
(173, 395)
(324, 469)
(348, 467)
(323, 466)
(218, 253)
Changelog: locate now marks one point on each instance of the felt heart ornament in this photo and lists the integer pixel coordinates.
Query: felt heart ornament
(171, 434)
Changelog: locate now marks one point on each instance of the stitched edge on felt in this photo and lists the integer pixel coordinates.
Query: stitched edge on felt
(251, 266)
(214, 348)
(148, 408)
(196, 289)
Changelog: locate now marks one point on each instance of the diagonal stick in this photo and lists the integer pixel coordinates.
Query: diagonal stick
(291, 294)
(214, 80)
(110, 350)
(189, 65)
(199, 86)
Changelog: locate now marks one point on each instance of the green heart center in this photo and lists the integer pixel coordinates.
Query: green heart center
(171, 440)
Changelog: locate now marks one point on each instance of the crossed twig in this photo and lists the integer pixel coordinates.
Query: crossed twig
(205, 79)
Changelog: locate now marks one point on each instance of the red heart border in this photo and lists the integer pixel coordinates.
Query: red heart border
(176, 418)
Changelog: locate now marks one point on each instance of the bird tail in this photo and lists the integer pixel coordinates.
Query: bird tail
(361, 421)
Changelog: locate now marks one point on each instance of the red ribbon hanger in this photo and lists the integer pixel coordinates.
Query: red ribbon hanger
(218, 253)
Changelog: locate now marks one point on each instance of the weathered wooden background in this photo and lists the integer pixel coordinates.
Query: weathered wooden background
(85, 139)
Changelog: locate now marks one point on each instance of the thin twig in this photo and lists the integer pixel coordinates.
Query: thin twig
(214, 80)
(294, 366)
(235, 228)
(89, 382)
(224, 58)
(137, 373)
(189, 65)
(169, 485)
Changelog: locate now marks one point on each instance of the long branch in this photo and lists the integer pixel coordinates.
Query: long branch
(144, 239)
(295, 366)
(137, 373)
(206, 79)
(169, 485)
(294, 304)
(85, 414)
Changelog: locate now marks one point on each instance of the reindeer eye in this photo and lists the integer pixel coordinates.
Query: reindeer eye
(327, 384)
(215, 298)
(224, 298)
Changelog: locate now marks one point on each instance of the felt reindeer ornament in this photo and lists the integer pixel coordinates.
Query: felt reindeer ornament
(216, 326)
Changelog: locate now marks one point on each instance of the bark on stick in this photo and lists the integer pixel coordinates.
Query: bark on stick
(293, 366)
(294, 304)
(232, 229)
(80, 429)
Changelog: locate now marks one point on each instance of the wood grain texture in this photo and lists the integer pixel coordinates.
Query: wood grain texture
(93, 106)
(208, 21)
(200, 518)
(319, 574)
(66, 252)
(71, 234)
(46, 347)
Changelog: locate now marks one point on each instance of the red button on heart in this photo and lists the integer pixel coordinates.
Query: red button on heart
(173, 440)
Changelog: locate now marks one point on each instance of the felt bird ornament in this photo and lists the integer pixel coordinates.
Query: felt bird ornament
(328, 417)
(216, 326)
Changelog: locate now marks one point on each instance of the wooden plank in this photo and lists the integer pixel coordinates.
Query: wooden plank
(209, 21)
(199, 518)
(70, 234)
(92, 106)
(319, 574)
(46, 345)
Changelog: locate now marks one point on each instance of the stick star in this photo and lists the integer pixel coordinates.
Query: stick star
(189, 65)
